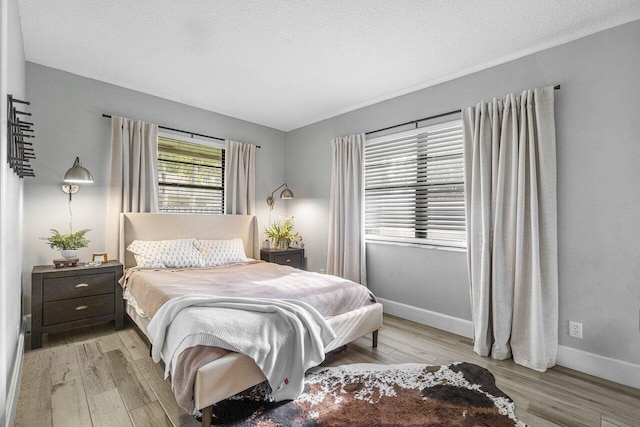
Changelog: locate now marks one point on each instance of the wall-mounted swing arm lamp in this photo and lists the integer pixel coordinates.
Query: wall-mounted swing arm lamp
(285, 194)
(74, 176)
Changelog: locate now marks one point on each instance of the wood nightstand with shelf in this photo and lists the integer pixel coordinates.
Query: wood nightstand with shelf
(293, 257)
(65, 298)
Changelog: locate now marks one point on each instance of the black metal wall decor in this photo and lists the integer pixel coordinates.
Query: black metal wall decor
(19, 150)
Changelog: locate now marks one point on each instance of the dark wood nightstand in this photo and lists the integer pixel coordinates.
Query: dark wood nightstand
(64, 298)
(292, 257)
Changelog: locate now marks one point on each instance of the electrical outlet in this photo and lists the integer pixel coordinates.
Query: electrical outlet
(575, 329)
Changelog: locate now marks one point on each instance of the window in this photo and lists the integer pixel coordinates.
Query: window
(190, 176)
(414, 186)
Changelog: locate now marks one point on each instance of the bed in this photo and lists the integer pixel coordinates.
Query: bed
(233, 372)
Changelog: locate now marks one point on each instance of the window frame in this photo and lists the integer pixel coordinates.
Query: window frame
(191, 139)
(423, 242)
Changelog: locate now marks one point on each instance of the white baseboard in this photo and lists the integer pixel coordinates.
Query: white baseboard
(16, 374)
(455, 325)
(604, 367)
(610, 369)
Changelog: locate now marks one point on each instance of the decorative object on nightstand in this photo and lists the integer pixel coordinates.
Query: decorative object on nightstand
(67, 298)
(68, 245)
(65, 262)
(98, 258)
(293, 257)
(281, 233)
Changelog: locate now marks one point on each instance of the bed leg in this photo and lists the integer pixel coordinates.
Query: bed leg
(375, 339)
(207, 414)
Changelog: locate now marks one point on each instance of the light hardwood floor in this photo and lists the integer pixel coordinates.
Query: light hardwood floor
(95, 376)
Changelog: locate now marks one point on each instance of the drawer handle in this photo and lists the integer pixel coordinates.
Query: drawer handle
(288, 260)
(82, 285)
(81, 307)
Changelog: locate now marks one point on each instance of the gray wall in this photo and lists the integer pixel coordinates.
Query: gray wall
(12, 82)
(68, 115)
(598, 153)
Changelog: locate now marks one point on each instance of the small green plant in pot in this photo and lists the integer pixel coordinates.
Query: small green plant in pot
(68, 244)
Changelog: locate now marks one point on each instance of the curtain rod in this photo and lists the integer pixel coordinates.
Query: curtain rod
(556, 87)
(184, 131)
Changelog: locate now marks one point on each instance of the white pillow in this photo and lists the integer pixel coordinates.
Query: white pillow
(179, 253)
(221, 252)
(142, 261)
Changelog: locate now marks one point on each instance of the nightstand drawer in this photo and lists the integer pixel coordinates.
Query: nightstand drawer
(294, 260)
(77, 308)
(60, 288)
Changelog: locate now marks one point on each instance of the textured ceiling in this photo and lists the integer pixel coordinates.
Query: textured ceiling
(288, 63)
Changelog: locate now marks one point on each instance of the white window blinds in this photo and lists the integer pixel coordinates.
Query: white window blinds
(414, 186)
(190, 177)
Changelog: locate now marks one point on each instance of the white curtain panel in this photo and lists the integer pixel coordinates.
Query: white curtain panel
(346, 253)
(510, 198)
(133, 182)
(239, 178)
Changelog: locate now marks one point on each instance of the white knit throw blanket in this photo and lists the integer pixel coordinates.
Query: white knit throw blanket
(283, 337)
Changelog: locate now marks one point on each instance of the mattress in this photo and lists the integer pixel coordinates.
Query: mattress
(347, 326)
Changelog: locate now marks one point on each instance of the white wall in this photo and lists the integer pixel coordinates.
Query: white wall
(68, 115)
(598, 153)
(12, 81)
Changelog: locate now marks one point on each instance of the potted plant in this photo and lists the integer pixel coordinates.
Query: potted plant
(68, 244)
(281, 233)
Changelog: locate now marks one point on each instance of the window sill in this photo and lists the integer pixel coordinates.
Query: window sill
(416, 245)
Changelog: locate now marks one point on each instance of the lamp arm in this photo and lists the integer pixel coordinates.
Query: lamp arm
(283, 185)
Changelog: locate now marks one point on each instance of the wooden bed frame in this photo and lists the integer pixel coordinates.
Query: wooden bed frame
(233, 372)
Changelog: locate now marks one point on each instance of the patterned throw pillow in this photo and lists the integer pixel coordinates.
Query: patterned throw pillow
(179, 253)
(221, 252)
(143, 261)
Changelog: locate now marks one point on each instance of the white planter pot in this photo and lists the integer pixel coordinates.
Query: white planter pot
(69, 253)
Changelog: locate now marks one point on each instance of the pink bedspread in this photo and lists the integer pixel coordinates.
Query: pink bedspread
(151, 288)
(330, 295)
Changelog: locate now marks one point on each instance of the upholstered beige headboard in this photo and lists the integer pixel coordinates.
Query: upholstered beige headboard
(163, 226)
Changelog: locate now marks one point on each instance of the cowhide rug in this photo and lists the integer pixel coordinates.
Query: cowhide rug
(460, 394)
